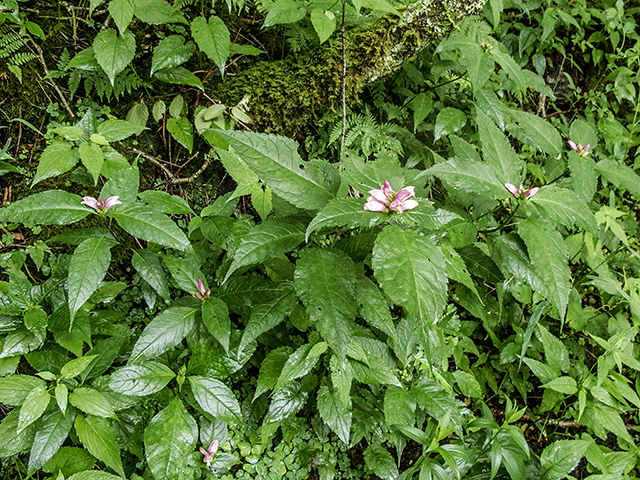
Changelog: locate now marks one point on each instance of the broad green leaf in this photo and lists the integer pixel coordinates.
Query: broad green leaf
(92, 158)
(62, 396)
(84, 60)
(469, 176)
(412, 271)
(91, 401)
(157, 12)
(14, 389)
(509, 252)
(215, 316)
(298, 365)
(620, 175)
(343, 212)
(566, 385)
(480, 66)
(237, 49)
(171, 204)
(116, 130)
(104, 354)
(88, 267)
(561, 457)
(239, 171)
(498, 152)
(70, 460)
(140, 380)
(556, 354)
(216, 398)
(69, 133)
(565, 207)
(324, 23)
(374, 307)
(148, 224)
(262, 200)
(164, 332)
(79, 235)
(449, 120)
(549, 256)
(179, 75)
(12, 442)
(583, 176)
(93, 475)
(185, 273)
(380, 461)
(468, 384)
(267, 240)
(365, 176)
(285, 402)
(341, 379)
(379, 5)
(96, 434)
(583, 133)
(333, 413)
(148, 265)
(171, 52)
(138, 114)
(375, 373)
(122, 13)
(487, 100)
(319, 271)
(536, 131)
(59, 157)
(53, 429)
(114, 52)
(124, 183)
(276, 161)
(33, 407)
(480, 265)
(213, 39)
(158, 110)
(267, 315)
(399, 406)
(75, 367)
(283, 12)
(271, 368)
(503, 58)
(457, 269)
(182, 131)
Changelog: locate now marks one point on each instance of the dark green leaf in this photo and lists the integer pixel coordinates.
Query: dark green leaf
(33, 407)
(57, 158)
(213, 39)
(69, 460)
(12, 442)
(378, 459)
(498, 152)
(53, 207)
(52, 431)
(216, 399)
(374, 307)
(215, 316)
(91, 401)
(536, 131)
(561, 457)
(148, 265)
(140, 380)
(15, 388)
(565, 207)
(399, 406)
(333, 413)
(271, 368)
(179, 75)
(171, 52)
(182, 131)
(285, 402)
(171, 204)
(115, 130)
(480, 264)
(92, 158)
(124, 183)
(343, 212)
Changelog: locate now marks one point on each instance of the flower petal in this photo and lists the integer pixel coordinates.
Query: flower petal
(512, 188)
(388, 191)
(573, 145)
(90, 201)
(111, 201)
(213, 448)
(201, 286)
(405, 193)
(375, 206)
(410, 204)
(377, 195)
(531, 192)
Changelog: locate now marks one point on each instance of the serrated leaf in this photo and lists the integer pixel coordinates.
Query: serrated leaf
(583, 176)
(138, 114)
(213, 39)
(502, 57)
(412, 271)
(498, 152)
(449, 120)
(14, 389)
(158, 110)
(171, 204)
(565, 207)
(180, 76)
(140, 380)
(422, 104)
(283, 12)
(59, 157)
(298, 365)
(469, 176)
(536, 131)
(566, 385)
(217, 229)
(487, 100)
(549, 256)
(509, 252)
(271, 368)
(262, 200)
(116, 130)
(457, 269)
(215, 316)
(620, 175)
(96, 434)
(148, 265)
(11, 442)
(122, 13)
(333, 413)
(157, 12)
(561, 457)
(343, 212)
(266, 240)
(91, 401)
(164, 332)
(148, 224)
(480, 264)
(171, 52)
(182, 131)
(479, 66)
(53, 430)
(380, 461)
(324, 23)
(468, 384)
(374, 307)
(92, 158)
(399, 406)
(277, 162)
(319, 271)
(71, 460)
(33, 407)
(75, 367)
(556, 354)
(114, 52)
(124, 183)
(285, 402)
(216, 399)
(88, 267)
(185, 274)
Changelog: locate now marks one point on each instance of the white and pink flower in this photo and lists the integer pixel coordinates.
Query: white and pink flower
(101, 206)
(520, 191)
(386, 199)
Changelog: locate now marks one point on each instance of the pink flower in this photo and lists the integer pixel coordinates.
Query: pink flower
(384, 198)
(202, 293)
(520, 191)
(209, 453)
(582, 151)
(99, 205)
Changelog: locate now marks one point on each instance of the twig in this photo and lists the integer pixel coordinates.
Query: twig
(171, 176)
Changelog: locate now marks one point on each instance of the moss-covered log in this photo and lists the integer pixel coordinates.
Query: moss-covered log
(286, 94)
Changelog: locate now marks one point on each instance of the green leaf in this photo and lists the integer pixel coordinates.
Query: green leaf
(84, 60)
(158, 110)
(213, 39)
(422, 104)
(324, 23)
(148, 224)
(380, 6)
(96, 434)
(262, 200)
(412, 271)
(536, 131)
(468, 384)
(283, 12)
(267, 240)
(15, 389)
(59, 157)
(91, 401)
(457, 269)
(88, 267)
(556, 354)
(184, 273)
(138, 114)
(140, 380)
(271, 368)
(487, 100)
(157, 12)
(92, 158)
(565, 207)
(343, 212)
(116, 130)
(480, 265)
(380, 461)
(122, 13)
(237, 49)
(285, 402)
(583, 176)
(620, 175)
(399, 406)
(449, 120)
(33, 407)
(333, 413)
(171, 204)
(104, 353)
(53, 430)
(12, 442)
(298, 365)
(319, 271)
(561, 457)
(75, 367)
(276, 161)
(171, 52)
(498, 152)
(480, 66)
(70, 460)
(216, 398)
(502, 57)
(93, 475)
(549, 256)
(374, 307)
(182, 131)
(114, 52)
(180, 76)
(148, 265)
(469, 176)
(566, 385)
(164, 332)
(509, 252)
(215, 316)
(124, 183)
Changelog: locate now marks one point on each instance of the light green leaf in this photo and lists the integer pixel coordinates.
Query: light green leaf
(124, 183)
(164, 332)
(158, 110)
(267, 240)
(53, 430)
(171, 52)
(122, 13)
(91, 401)
(96, 434)
(498, 152)
(271, 368)
(215, 316)
(140, 380)
(11, 442)
(380, 461)
(75, 367)
(549, 256)
(583, 176)
(157, 12)
(92, 158)
(283, 12)
(566, 385)
(399, 406)
(422, 104)
(380, 6)
(412, 271)
(70, 460)
(536, 131)
(88, 267)
(148, 265)
(324, 23)
(480, 66)
(561, 457)
(62, 396)
(509, 252)
(116, 130)
(276, 161)
(148, 224)
(53, 207)
(14, 389)
(468, 384)
(33, 407)
(449, 120)
(262, 200)
(93, 475)
(171, 204)
(503, 58)
(59, 157)
(620, 175)
(216, 399)
(285, 402)
(84, 60)
(138, 114)
(213, 39)
(565, 207)
(180, 76)
(298, 365)
(468, 176)
(185, 274)
(114, 52)
(113, 162)
(374, 307)
(333, 413)
(556, 354)
(347, 212)
(487, 100)
(237, 49)
(182, 131)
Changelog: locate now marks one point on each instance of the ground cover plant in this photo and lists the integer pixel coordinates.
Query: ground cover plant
(213, 267)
